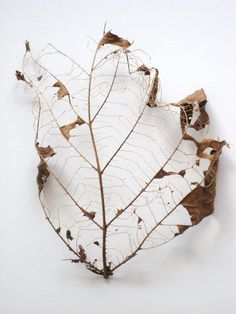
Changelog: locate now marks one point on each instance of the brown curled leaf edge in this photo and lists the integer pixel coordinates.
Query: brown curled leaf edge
(193, 117)
(62, 91)
(45, 152)
(110, 38)
(65, 129)
(43, 174)
(200, 201)
(187, 106)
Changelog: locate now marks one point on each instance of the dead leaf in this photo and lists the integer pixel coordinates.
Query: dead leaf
(82, 254)
(113, 39)
(76, 183)
(153, 92)
(68, 235)
(62, 91)
(45, 152)
(143, 68)
(65, 129)
(43, 174)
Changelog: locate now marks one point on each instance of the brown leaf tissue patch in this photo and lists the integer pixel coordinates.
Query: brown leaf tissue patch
(119, 170)
(113, 39)
(196, 101)
(62, 91)
(43, 174)
(154, 89)
(143, 68)
(20, 76)
(65, 129)
(45, 152)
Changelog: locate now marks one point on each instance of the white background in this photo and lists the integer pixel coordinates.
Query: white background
(193, 44)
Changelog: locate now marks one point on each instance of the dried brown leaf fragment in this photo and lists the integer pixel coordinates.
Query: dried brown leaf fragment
(62, 91)
(65, 129)
(139, 220)
(200, 202)
(82, 254)
(198, 96)
(197, 162)
(45, 152)
(181, 229)
(181, 173)
(69, 235)
(204, 144)
(110, 38)
(186, 114)
(143, 68)
(186, 110)
(43, 174)
(153, 91)
(58, 230)
(119, 211)
(27, 46)
(162, 173)
(90, 214)
(20, 76)
(203, 118)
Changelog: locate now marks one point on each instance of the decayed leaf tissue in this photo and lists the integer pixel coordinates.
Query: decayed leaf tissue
(119, 170)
